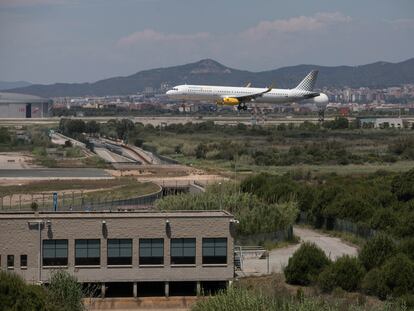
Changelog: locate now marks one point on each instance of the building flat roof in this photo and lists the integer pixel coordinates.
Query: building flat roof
(15, 98)
(117, 214)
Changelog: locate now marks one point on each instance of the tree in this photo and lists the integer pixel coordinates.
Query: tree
(123, 126)
(407, 247)
(306, 264)
(201, 151)
(403, 186)
(34, 206)
(4, 136)
(346, 272)
(92, 127)
(338, 123)
(376, 251)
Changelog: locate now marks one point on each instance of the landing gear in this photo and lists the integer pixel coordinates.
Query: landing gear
(242, 106)
(321, 115)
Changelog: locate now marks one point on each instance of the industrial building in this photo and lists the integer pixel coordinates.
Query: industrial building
(13, 105)
(124, 254)
(377, 122)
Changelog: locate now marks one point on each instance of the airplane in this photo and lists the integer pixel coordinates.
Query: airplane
(240, 96)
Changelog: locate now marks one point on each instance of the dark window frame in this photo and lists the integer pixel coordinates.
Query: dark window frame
(182, 259)
(23, 261)
(119, 260)
(55, 261)
(214, 259)
(87, 260)
(10, 261)
(151, 260)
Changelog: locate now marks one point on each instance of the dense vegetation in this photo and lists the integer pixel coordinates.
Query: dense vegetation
(63, 293)
(387, 277)
(247, 299)
(255, 215)
(381, 201)
(24, 139)
(336, 142)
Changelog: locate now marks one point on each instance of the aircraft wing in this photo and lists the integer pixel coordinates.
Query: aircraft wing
(311, 95)
(250, 97)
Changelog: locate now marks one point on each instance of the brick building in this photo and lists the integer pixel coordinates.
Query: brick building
(123, 253)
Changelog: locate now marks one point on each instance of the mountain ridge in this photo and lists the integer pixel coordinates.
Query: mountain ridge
(5, 85)
(209, 71)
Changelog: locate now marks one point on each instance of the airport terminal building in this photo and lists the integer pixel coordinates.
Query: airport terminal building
(133, 254)
(13, 105)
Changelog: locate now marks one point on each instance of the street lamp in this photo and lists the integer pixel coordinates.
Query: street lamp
(221, 207)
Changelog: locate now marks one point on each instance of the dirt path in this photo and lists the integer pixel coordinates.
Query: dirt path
(333, 248)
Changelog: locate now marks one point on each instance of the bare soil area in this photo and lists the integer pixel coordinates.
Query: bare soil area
(16, 160)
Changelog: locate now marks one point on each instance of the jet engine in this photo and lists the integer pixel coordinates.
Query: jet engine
(229, 101)
(321, 100)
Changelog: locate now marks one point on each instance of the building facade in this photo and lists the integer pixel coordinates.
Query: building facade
(376, 122)
(14, 105)
(129, 252)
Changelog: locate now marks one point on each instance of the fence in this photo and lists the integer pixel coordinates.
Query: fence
(341, 225)
(72, 201)
(262, 238)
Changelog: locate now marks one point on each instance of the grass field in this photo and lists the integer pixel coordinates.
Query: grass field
(388, 150)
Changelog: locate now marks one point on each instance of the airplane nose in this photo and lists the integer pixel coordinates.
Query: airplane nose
(169, 92)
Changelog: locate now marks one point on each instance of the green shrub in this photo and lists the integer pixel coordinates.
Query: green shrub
(376, 251)
(407, 247)
(398, 273)
(305, 264)
(374, 284)
(395, 278)
(15, 294)
(403, 186)
(65, 292)
(346, 272)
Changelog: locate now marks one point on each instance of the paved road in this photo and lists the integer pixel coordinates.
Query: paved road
(54, 173)
(333, 248)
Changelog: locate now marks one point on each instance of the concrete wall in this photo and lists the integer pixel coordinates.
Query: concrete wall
(18, 110)
(19, 235)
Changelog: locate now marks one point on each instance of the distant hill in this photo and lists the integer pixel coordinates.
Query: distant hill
(11, 85)
(207, 71)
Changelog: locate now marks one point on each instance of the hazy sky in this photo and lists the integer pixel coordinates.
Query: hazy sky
(47, 41)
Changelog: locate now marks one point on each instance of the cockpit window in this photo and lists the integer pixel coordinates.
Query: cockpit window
(175, 89)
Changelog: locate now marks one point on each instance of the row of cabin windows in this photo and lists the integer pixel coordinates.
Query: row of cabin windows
(10, 261)
(119, 251)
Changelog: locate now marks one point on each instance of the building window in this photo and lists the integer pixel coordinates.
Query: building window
(55, 252)
(183, 251)
(10, 261)
(214, 250)
(23, 261)
(87, 252)
(119, 252)
(151, 251)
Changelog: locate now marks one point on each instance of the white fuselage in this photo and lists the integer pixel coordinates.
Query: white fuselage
(218, 93)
